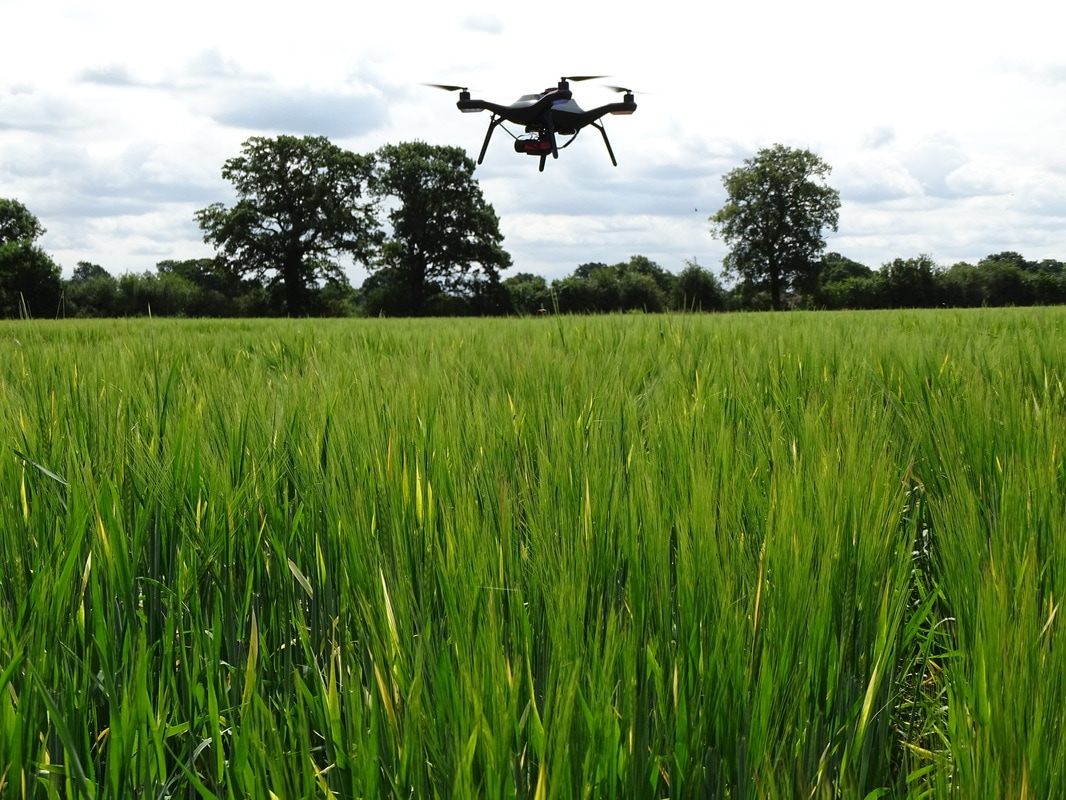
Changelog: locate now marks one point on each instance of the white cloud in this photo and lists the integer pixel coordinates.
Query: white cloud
(483, 22)
(934, 161)
(879, 136)
(873, 180)
(273, 110)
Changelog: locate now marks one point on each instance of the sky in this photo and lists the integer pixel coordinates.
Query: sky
(943, 122)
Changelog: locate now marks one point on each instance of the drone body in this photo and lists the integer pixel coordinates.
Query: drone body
(545, 116)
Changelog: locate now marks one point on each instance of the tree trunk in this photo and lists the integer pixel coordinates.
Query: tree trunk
(775, 286)
(416, 287)
(295, 290)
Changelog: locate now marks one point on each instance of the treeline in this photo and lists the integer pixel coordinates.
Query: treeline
(1000, 279)
(413, 216)
(192, 288)
(31, 284)
(204, 288)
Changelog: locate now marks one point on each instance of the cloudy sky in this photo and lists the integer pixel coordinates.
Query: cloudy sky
(943, 121)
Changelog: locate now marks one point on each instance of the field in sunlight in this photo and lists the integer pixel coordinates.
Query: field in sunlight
(789, 555)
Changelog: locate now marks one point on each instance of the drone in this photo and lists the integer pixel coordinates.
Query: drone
(545, 116)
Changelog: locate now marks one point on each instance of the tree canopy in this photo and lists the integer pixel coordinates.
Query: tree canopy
(30, 282)
(301, 204)
(443, 238)
(773, 219)
(17, 224)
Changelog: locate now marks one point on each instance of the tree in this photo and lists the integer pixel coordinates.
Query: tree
(29, 280)
(857, 291)
(773, 219)
(218, 287)
(697, 289)
(17, 224)
(638, 284)
(91, 292)
(528, 293)
(960, 285)
(1006, 280)
(911, 282)
(844, 283)
(835, 268)
(638, 291)
(589, 270)
(577, 295)
(88, 271)
(300, 206)
(1049, 281)
(642, 265)
(444, 239)
(591, 288)
(155, 294)
(1009, 258)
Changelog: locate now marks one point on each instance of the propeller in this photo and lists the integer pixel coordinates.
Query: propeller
(623, 90)
(582, 77)
(447, 87)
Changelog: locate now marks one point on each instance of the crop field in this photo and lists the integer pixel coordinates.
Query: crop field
(802, 555)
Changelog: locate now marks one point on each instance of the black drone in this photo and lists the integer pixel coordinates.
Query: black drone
(545, 116)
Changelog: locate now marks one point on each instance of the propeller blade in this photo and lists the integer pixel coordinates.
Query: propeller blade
(623, 90)
(446, 87)
(582, 77)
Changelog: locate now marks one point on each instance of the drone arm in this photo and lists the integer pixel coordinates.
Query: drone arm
(470, 105)
(590, 116)
(520, 112)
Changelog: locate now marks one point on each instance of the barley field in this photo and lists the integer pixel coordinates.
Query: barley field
(799, 555)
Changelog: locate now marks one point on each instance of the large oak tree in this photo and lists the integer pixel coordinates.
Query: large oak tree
(777, 207)
(302, 203)
(444, 239)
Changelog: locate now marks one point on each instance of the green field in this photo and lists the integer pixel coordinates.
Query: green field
(736, 556)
